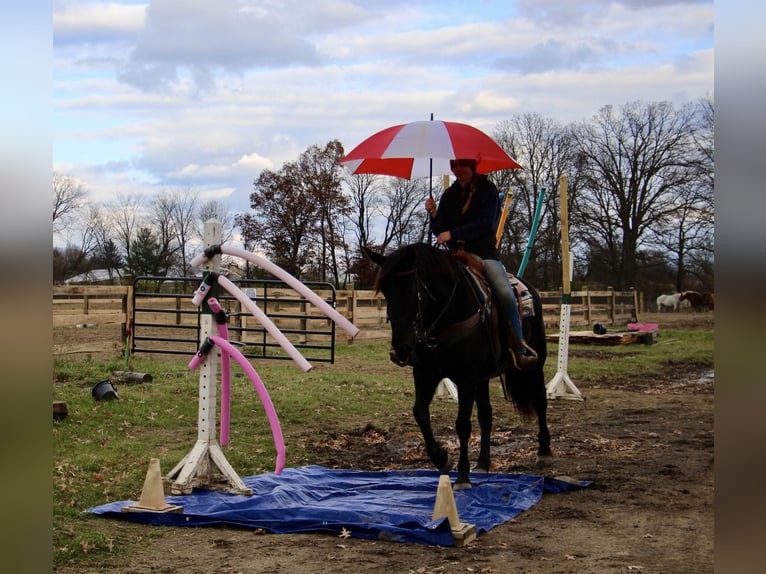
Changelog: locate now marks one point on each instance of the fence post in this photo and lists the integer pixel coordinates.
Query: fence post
(129, 304)
(236, 333)
(350, 310)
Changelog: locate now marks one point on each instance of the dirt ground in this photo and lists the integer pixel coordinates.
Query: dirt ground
(646, 446)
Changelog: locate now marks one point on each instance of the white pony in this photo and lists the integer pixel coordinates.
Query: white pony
(668, 302)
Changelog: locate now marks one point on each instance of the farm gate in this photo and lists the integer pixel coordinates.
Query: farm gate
(163, 319)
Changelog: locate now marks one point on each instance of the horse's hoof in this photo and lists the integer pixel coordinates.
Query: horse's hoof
(461, 485)
(480, 470)
(398, 360)
(447, 466)
(544, 461)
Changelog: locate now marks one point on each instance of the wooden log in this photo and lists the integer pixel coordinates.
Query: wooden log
(614, 338)
(132, 377)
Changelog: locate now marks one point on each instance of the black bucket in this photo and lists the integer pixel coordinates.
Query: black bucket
(599, 329)
(104, 391)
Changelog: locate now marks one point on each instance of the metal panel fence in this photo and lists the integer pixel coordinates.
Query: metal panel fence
(156, 315)
(163, 319)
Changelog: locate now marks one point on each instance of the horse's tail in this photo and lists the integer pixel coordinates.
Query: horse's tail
(526, 389)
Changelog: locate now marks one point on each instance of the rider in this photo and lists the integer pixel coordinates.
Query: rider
(468, 212)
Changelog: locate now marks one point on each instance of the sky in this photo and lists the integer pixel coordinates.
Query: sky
(204, 95)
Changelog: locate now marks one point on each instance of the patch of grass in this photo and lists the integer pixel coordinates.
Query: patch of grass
(673, 352)
(102, 449)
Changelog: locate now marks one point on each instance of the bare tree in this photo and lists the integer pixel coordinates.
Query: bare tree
(68, 198)
(162, 225)
(182, 215)
(632, 166)
(124, 215)
(218, 210)
(365, 198)
(704, 137)
(686, 234)
(404, 215)
(82, 240)
(541, 146)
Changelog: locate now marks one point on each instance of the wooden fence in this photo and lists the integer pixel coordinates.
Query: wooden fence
(95, 305)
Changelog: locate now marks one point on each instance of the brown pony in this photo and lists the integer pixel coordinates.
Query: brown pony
(698, 301)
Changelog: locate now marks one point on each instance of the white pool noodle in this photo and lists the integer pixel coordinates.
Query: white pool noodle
(266, 322)
(276, 270)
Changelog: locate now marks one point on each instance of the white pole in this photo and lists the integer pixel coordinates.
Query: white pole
(561, 386)
(206, 464)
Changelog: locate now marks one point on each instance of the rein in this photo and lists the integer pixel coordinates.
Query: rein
(426, 335)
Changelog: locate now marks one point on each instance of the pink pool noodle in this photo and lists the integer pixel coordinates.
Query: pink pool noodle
(271, 414)
(200, 355)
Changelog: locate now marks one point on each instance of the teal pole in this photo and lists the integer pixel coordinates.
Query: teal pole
(532, 231)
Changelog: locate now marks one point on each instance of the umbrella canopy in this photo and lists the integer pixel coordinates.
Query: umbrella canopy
(424, 148)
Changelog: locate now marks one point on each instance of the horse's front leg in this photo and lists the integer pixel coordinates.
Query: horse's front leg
(466, 393)
(425, 387)
(484, 414)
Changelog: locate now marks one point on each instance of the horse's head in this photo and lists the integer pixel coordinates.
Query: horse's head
(412, 279)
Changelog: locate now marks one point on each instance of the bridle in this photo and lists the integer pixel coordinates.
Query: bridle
(427, 335)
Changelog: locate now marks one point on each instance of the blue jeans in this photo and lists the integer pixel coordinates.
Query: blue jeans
(497, 278)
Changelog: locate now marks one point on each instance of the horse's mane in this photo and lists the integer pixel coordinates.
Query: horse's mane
(428, 260)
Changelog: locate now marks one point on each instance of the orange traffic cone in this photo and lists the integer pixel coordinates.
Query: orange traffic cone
(445, 506)
(153, 494)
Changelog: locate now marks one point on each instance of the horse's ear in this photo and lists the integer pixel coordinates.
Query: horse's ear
(378, 258)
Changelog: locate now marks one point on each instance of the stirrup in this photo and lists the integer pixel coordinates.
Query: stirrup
(529, 349)
(523, 362)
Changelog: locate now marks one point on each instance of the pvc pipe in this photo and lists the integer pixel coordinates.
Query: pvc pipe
(274, 269)
(271, 414)
(532, 232)
(204, 287)
(266, 322)
(199, 356)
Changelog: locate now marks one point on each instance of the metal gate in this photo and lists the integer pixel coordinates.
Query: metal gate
(164, 320)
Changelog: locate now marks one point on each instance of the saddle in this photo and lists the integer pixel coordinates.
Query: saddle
(475, 266)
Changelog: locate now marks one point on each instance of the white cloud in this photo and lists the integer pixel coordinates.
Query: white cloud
(208, 94)
(75, 21)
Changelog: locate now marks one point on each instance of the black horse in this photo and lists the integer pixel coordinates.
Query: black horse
(443, 327)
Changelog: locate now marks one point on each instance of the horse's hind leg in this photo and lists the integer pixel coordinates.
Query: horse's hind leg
(425, 387)
(484, 414)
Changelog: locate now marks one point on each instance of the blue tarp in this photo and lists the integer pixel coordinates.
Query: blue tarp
(393, 505)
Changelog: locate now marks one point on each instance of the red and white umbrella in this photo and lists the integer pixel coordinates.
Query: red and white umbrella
(424, 148)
